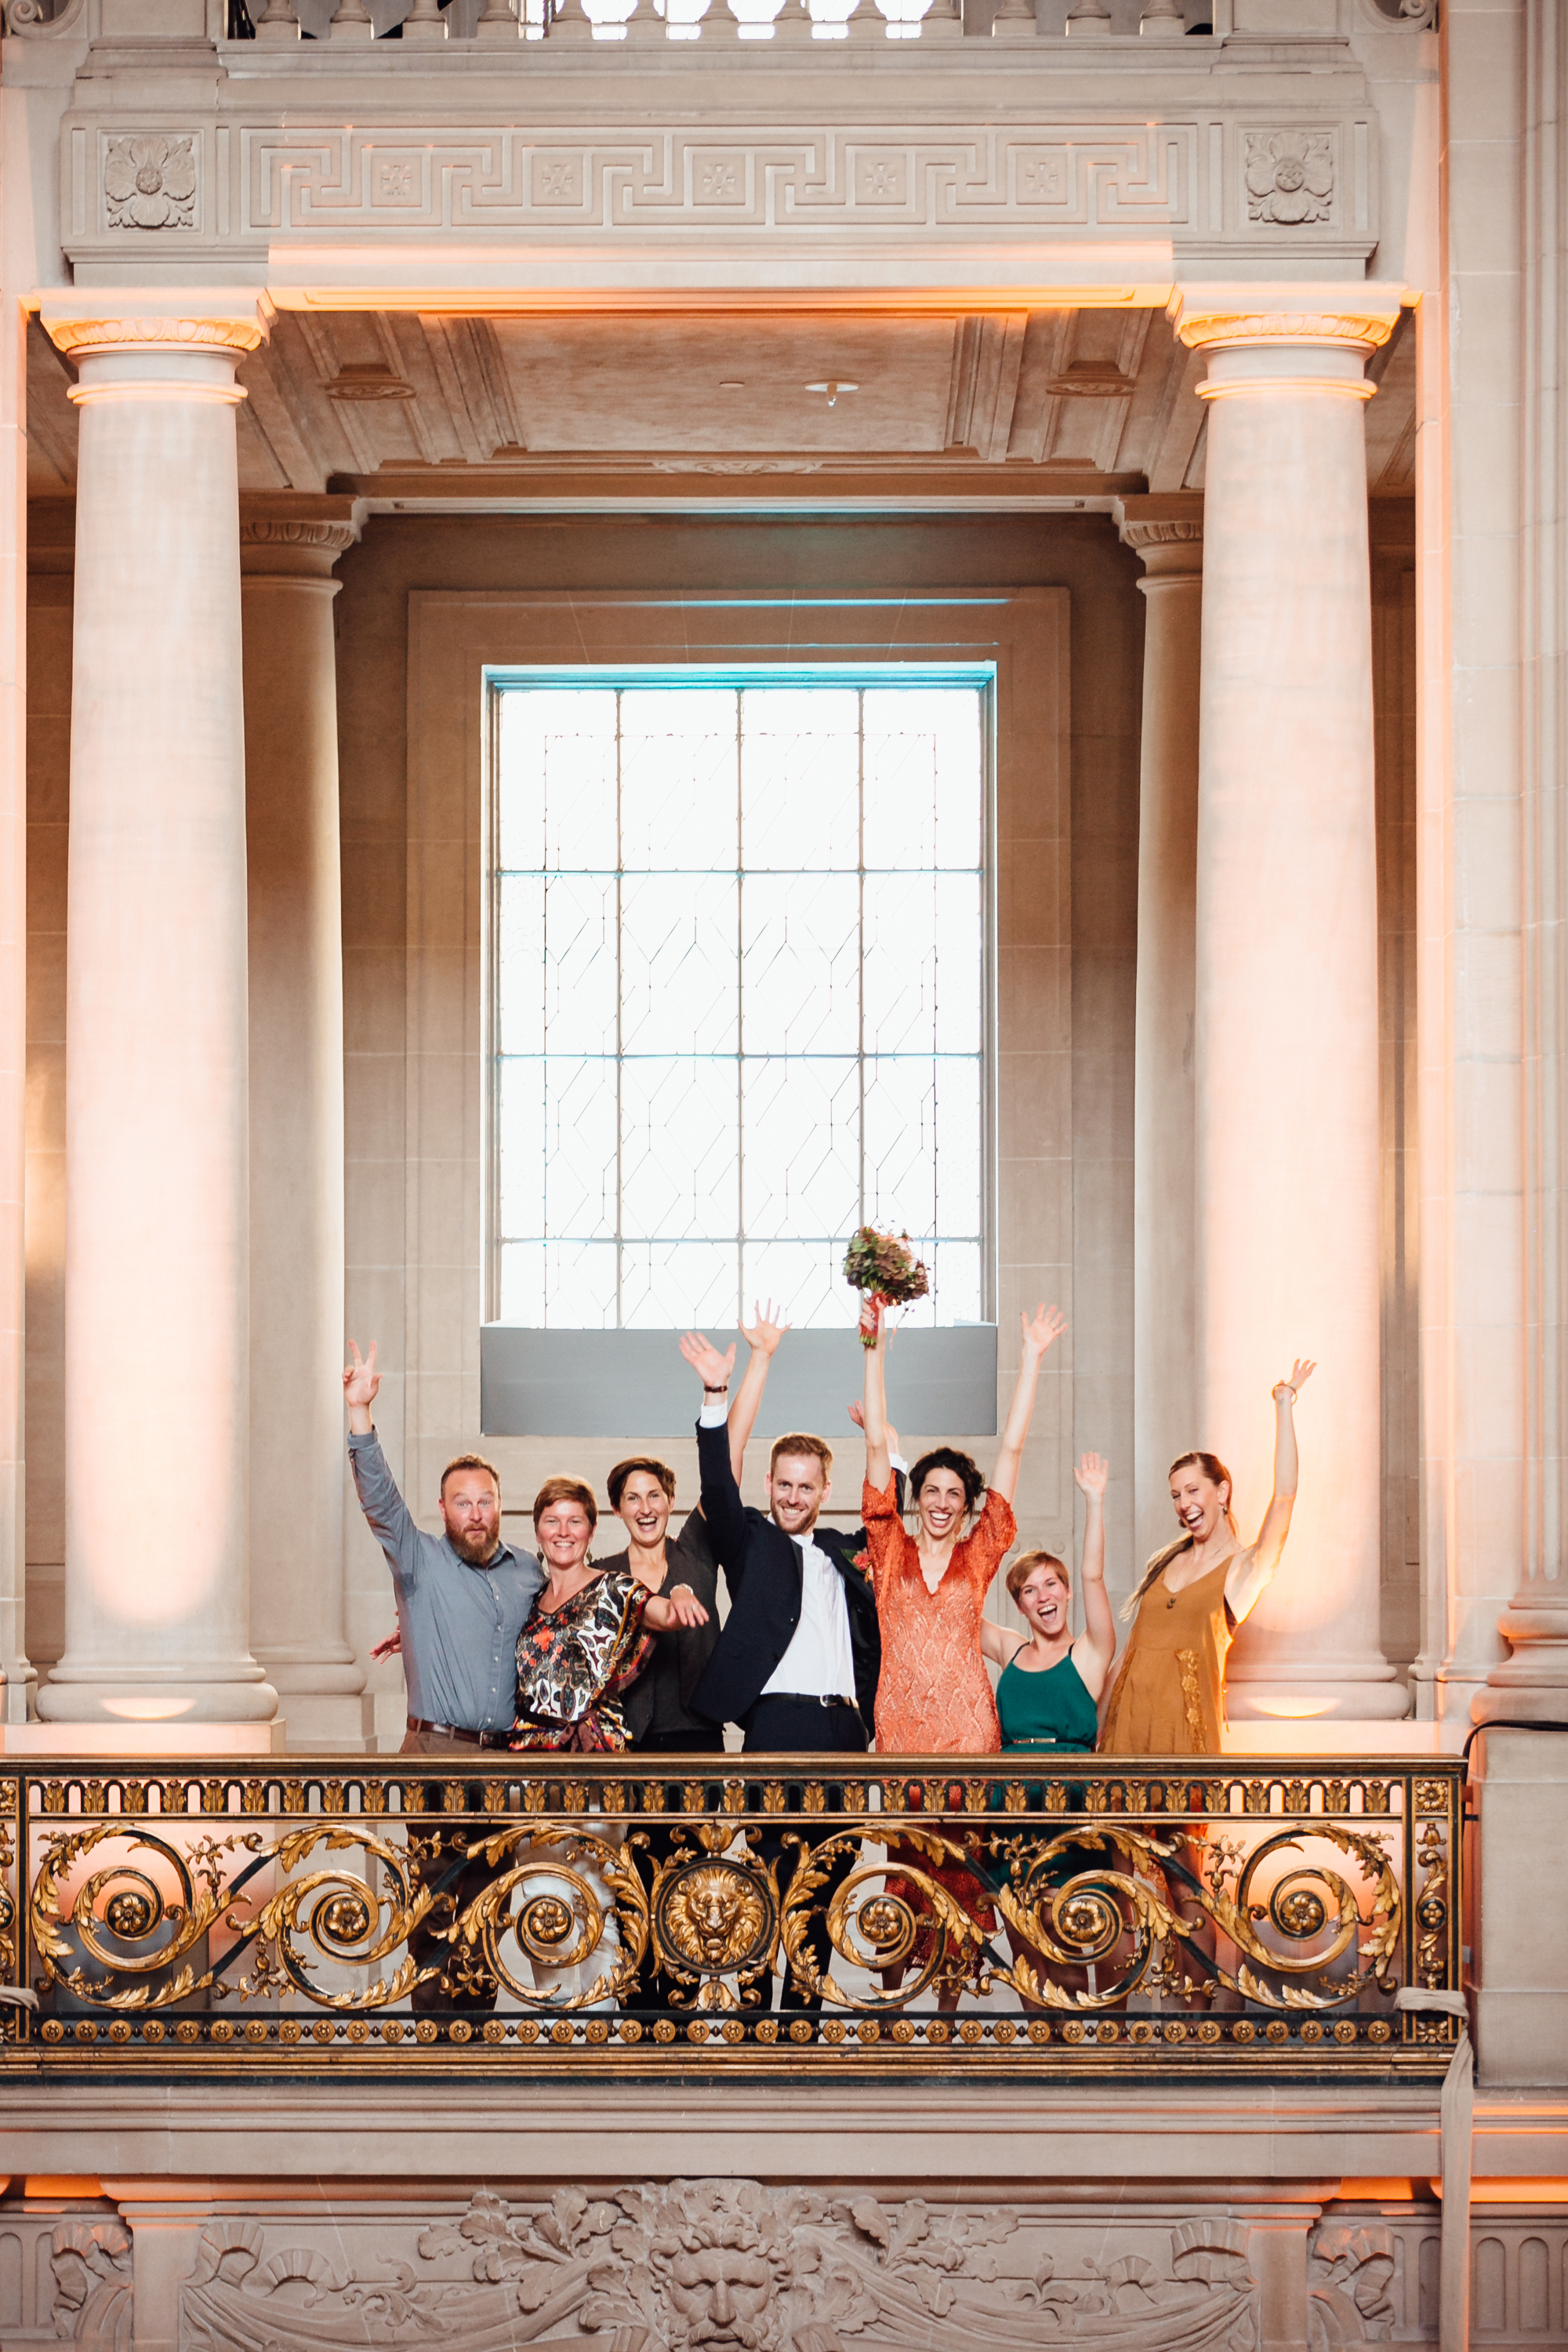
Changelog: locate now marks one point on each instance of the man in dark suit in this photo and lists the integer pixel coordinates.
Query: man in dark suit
(797, 1660)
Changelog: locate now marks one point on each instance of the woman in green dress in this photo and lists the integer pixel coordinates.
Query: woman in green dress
(1048, 1697)
(1048, 1693)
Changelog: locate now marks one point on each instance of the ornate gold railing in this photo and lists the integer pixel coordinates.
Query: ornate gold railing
(581, 1913)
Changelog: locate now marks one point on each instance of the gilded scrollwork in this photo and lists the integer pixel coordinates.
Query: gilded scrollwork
(508, 1915)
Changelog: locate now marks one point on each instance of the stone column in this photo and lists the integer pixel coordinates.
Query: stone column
(1532, 1684)
(156, 1324)
(1286, 990)
(288, 548)
(1167, 532)
(17, 262)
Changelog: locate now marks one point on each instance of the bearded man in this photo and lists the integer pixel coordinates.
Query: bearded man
(462, 1596)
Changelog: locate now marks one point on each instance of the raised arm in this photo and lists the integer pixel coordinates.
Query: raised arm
(1252, 1572)
(387, 1515)
(874, 1408)
(763, 1337)
(1096, 1645)
(721, 1493)
(1040, 1332)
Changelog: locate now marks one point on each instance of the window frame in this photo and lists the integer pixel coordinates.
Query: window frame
(979, 676)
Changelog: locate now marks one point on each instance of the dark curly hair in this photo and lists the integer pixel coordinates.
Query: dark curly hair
(963, 1467)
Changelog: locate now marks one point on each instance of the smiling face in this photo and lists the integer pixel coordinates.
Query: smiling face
(941, 1503)
(1200, 1505)
(645, 1509)
(797, 1489)
(1045, 1601)
(566, 1532)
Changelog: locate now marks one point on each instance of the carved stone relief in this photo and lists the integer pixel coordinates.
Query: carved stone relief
(150, 182)
(736, 2266)
(1290, 177)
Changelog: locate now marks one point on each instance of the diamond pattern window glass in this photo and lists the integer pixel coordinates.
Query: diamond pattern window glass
(739, 992)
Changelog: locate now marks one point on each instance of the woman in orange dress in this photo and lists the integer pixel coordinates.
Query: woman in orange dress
(934, 1695)
(1169, 1697)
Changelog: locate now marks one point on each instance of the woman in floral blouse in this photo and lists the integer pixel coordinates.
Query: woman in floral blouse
(586, 1638)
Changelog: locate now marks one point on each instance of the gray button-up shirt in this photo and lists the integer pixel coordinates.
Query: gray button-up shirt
(459, 1624)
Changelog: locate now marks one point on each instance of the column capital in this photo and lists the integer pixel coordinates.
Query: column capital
(1357, 319)
(93, 321)
(1166, 529)
(291, 535)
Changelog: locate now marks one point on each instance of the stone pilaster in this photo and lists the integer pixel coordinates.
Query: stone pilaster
(1167, 534)
(289, 546)
(1532, 1684)
(156, 1311)
(1286, 1055)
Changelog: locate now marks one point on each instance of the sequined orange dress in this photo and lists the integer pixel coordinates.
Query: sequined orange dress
(934, 1695)
(1169, 1697)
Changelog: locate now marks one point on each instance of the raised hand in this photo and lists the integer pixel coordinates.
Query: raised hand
(1042, 1330)
(392, 1647)
(1090, 1477)
(712, 1368)
(1301, 1371)
(766, 1331)
(361, 1379)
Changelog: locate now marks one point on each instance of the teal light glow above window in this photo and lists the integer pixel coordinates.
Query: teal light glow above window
(740, 958)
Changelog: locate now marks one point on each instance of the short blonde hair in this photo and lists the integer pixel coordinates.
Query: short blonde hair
(566, 1490)
(1024, 1567)
(798, 1441)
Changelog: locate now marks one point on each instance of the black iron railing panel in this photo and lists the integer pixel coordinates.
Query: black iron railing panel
(584, 1913)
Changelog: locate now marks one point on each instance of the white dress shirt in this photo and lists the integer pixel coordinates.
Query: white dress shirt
(819, 1660)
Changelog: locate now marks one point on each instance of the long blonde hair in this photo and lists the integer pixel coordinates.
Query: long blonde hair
(1213, 1470)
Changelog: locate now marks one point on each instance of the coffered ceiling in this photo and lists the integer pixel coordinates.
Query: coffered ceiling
(1022, 405)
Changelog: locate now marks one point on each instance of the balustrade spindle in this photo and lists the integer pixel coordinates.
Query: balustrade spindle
(351, 23)
(571, 22)
(1089, 18)
(279, 23)
(942, 21)
(1162, 20)
(500, 22)
(425, 22)
(1015, 21)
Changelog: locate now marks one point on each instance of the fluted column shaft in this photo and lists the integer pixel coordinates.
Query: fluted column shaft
(1532, 1684)
(156, 1324)
(288, 548)
(1286, 978)
(17, 1675)
(1167, 533)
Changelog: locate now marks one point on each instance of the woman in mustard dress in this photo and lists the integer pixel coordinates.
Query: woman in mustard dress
(1169, 1697)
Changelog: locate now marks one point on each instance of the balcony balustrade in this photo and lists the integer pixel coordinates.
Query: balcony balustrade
(532, 1915)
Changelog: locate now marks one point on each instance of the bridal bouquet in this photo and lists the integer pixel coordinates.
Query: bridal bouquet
(886, 1272)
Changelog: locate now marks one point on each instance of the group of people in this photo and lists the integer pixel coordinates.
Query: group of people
(830, 1638)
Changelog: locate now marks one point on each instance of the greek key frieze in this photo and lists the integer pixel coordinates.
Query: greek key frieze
(1085, 177)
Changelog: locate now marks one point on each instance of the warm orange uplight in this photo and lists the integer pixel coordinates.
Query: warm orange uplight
(138, 1707)
(1289, 1706)
(1380, 2191)
(1526, 2190)
(62, 2184)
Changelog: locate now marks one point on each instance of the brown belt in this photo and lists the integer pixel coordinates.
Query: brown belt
(454, 1731)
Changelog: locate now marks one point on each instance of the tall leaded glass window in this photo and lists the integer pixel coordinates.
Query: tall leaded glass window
(740, 985)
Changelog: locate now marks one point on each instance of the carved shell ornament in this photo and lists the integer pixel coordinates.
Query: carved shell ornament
(1290, 177)
(150, 183)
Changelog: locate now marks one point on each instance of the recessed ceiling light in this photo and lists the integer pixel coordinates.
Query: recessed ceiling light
(833, 386)
(730, 383)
